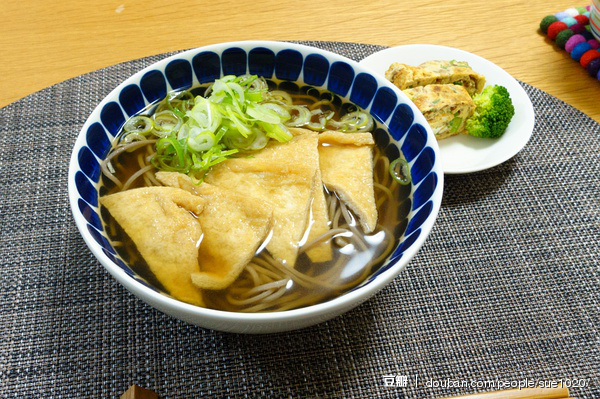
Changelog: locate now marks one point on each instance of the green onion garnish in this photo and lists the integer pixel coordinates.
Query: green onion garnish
(238, 113)
(400, 171)
(139, 124)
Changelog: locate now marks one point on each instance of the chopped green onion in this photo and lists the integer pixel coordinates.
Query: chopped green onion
(197, 133)
(357, 121)
(173, 156)
(400, 171)
(299, 116)
(204, 114)
(199, 140)
(139, 124)
(236, 113)
(167, 121)
(232, 139)
(280, 95)
(260, 141)
(269, 112)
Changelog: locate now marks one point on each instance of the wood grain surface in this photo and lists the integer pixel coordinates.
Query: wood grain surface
(46, 42)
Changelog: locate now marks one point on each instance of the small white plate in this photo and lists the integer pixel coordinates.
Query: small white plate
(462, 153)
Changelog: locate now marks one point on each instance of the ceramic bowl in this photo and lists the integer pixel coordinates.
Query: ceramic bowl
(595, 19)
(406, 132)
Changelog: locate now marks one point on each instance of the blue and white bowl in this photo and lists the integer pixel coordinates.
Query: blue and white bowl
(409, 133)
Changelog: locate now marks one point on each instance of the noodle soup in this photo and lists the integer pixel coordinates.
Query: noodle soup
(268, 283)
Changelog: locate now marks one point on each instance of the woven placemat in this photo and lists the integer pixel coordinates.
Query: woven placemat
(507, 286)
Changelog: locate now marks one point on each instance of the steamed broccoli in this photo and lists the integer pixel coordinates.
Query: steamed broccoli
(493, 113)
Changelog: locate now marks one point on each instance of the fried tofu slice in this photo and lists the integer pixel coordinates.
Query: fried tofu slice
(346, 161)
(436, 72)
(446, 107)
(234, 226)
(163, 224)
(282, 175)
(319, 219)
(319, 224)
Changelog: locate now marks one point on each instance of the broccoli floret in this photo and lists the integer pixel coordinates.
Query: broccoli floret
(493, 113)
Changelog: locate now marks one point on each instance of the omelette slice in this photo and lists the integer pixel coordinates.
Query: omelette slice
(456, 72)
(163, 224)
(436, 72)
(282, 175)
(446, 107)
(346, 161)
(234, 226)
(407, 76)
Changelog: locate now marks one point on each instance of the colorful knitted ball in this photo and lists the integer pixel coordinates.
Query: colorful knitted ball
(588, 7)
(594, 43)
(593, 67)
(587, 35)
(569, 21)
(589, 56)
(577, 28)
(561, 15)
(586, 14)
(582, 19)
(581, 10)
(546, 22)
(555, 28)
(573, 41)
(562, 37)
(572, 12)
(579, 50)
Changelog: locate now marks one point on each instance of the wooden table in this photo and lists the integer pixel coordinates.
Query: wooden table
(43, 43)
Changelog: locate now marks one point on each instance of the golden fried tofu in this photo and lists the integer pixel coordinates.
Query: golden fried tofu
(346, 161)
(283, 176)
(162, 222)
(446, 107)
(340, 138)
(436, 72)
(319, 222)
(234, 226)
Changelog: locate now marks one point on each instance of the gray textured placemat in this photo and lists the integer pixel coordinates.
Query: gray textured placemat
(506, 287)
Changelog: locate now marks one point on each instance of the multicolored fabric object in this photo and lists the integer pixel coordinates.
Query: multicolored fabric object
(572, 30)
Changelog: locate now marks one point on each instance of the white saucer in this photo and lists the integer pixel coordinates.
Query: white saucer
(462, 153)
